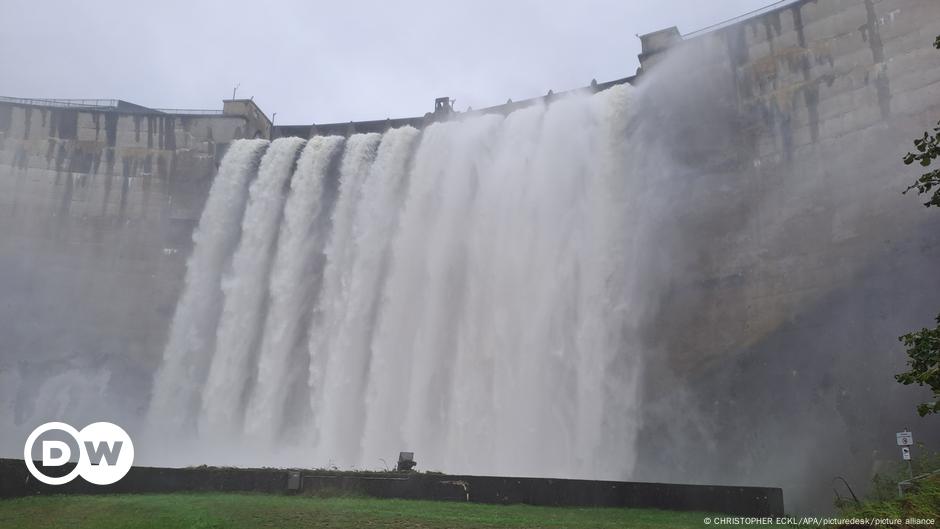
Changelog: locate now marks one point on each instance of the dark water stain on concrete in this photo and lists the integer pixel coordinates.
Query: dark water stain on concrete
(65, 124)
(6, 118)
(109, 160)
(872, 35)
(162, 167)
(769, 33)
(28, 121)
(126, 163)
(786, 132)
(50, 151)
(169, 134)
(66, 202)
(738, 55)
(108, 182)
(61, 155)
(21, 158)
(147, 180)
(811, 98)
(125, 187)
(811, 89)
(110, 128)
(171, 171)
(80, 161)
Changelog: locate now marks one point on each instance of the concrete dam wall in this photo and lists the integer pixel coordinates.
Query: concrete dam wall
(98, 201)
(780, 259)
(794, 262)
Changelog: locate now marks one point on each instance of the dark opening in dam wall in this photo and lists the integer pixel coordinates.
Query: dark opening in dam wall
(788, 261)
(743, 501)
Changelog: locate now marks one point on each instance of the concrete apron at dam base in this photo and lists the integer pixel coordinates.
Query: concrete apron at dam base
(15, 481)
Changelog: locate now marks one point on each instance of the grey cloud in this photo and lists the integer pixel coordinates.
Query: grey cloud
(329, 61)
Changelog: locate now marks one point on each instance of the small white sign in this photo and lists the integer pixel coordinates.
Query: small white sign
(905, 453)
(905, 438)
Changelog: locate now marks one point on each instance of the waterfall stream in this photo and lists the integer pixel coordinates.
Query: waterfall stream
(464, 292)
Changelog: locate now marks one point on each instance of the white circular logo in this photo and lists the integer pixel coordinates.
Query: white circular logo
(105, 452)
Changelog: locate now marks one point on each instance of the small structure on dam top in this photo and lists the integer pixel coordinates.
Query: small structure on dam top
(443, 106)
(406, 461)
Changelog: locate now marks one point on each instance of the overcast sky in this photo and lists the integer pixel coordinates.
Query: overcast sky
(315, 61)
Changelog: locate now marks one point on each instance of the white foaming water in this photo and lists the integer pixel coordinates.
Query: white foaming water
(416, 338)
(476, 306)
(340, 255)
(293, 283)
(338, 369)
(245, 289)
(176, 390)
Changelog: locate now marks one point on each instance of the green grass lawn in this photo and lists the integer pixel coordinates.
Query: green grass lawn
(242, 511)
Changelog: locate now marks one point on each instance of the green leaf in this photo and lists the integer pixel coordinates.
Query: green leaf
(923, 351)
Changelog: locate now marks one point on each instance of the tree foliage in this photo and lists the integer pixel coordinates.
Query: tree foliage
(927, 150)
(923, 351)
(923, 346)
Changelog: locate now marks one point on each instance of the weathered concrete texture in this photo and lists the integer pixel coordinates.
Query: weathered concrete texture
(801, 261)
(97, 209)
(112, 142)
(257, 124)
(795, 175)
(745, 501)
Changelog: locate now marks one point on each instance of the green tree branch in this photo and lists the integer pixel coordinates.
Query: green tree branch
(923, 351)
(923, 346)
(927, 150)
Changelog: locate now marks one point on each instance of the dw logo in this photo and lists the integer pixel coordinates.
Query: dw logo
(105, 452)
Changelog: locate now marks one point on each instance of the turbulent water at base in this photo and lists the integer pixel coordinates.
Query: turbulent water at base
(464, 292)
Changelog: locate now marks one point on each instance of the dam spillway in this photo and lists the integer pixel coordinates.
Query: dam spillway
(769, 261)
(384, 300)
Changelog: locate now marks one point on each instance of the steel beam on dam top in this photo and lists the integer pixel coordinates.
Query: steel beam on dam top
(742, 501)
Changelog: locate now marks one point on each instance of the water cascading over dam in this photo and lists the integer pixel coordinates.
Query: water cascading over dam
(464, 291)
(697, 278)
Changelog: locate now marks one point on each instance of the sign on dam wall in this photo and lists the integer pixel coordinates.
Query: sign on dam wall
(690, 277)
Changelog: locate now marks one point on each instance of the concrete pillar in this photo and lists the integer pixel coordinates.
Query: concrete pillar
(655, 44)
(257, 123)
